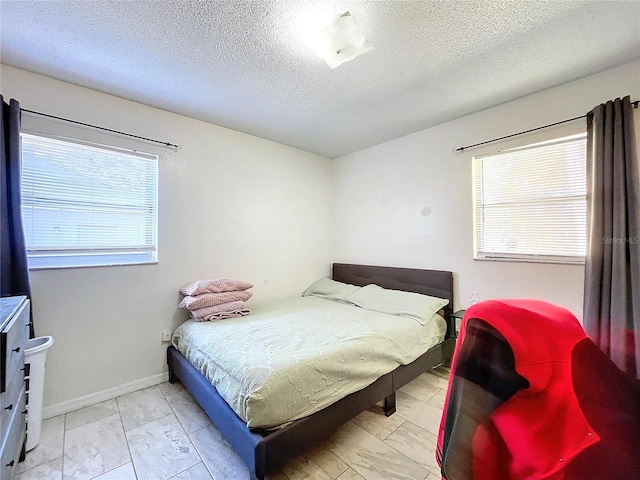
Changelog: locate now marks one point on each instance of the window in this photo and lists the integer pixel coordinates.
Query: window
(530, 203)
(87, 205)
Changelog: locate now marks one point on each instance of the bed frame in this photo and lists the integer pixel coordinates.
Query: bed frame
(265, 451)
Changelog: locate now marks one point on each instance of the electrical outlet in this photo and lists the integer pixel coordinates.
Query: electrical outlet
(166, 336)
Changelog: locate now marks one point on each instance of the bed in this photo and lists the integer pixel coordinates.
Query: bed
(264, 450)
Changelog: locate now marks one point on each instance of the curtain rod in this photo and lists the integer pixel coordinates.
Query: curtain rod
(461, 149)
(166, 144)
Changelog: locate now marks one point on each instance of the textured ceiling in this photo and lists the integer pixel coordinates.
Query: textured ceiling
(241, 64)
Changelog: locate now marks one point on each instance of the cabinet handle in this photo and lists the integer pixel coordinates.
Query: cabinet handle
(10, 464)
(17, 349)
(10, 407)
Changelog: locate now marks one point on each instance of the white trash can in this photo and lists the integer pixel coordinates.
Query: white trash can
(36, 357)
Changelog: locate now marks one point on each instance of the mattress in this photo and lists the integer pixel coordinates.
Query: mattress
(290, 359)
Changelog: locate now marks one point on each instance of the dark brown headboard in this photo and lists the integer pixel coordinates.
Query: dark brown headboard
(436, 283)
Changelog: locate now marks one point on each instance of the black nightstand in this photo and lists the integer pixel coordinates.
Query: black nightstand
(455, 316)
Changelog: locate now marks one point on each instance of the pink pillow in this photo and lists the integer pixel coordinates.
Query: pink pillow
(210, 299)
(214, 286)
(221, 308)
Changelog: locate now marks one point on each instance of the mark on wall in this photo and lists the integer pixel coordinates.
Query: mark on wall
(425, 212)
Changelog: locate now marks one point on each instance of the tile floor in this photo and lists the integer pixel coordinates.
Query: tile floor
(161, 433)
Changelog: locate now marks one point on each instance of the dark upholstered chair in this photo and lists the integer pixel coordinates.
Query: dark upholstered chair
(530, 396)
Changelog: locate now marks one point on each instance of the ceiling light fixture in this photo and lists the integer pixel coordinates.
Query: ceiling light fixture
(339, 41)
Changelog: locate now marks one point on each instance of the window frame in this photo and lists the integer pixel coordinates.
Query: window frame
(540, 141)
(91, 257)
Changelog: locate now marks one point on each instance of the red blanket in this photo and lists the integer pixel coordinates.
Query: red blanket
(531, 397)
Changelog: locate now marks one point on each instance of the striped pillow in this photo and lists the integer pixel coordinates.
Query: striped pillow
(210, 299)
(214, 286)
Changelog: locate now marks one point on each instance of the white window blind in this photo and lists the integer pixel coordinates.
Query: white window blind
(530, 203)
(87, 205)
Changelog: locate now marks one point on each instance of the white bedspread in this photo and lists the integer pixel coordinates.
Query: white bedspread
(291, 359)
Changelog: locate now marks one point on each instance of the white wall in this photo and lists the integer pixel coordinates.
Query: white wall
(230, 204)
(381, 194)
(235, 205)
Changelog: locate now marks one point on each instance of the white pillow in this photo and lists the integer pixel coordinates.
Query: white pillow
(396, 302)
(330, 289)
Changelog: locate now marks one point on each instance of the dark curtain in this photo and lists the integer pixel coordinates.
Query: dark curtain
(612, 274)
(14, 272)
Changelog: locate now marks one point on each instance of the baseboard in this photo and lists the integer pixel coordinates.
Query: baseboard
(103, 395)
